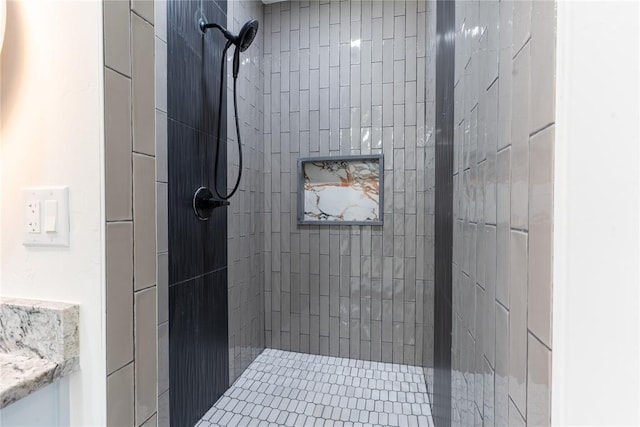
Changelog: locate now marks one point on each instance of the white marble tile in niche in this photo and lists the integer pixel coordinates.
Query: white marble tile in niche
(342, 190)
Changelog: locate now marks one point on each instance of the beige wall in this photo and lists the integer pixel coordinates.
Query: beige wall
(52, 135)
(503, 210)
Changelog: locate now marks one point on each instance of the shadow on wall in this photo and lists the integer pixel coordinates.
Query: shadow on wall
(12, 61)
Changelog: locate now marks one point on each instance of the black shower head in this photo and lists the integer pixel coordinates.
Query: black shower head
(242, 41)
(244, 38)
(247, 34)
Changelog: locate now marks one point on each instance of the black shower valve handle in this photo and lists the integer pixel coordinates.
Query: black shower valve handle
(212, 203)
(204, 203)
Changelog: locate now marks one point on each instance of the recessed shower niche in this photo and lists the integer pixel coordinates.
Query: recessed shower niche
(341, 189)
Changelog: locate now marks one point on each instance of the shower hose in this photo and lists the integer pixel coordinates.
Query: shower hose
(218, 143)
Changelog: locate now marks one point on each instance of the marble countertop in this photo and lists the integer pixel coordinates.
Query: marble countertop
(38, 345)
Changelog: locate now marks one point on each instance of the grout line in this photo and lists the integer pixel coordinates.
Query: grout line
(503, 149)
(148, 418)
(492, 83)
(217, 270)
(118, 72)
(133, 12)
(542, 129)
(539, 340)
(144, 289)
(143, 154)
(120, 221)
(517, 409)
(521, 48)
(121, 368)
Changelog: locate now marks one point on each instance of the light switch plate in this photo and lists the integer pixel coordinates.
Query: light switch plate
(46, 216)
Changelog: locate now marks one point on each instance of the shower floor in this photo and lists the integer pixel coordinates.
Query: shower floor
(282, 388)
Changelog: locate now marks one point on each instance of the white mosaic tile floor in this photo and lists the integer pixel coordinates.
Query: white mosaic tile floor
(282, 388)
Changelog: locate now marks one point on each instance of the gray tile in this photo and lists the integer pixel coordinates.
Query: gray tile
(163, 410)
(160, 25)
(162, 217)
(162, 276)
(146, 366)
(117, 36)
(538, 383)
(143, 86)
(505, 79)
(143, 8)
(161, 146)
(161, 74)
(120, 397)
(521, 23)
(515, 418)
(543, 56)
(502, 366)
(520, 140)
(144, 221)
(163, 357)
(490, 286)
(119, 259)
(322, 388)
(518, 320)
(488, 401)
(118, 178)
(503, 196)
(355, 98)
(151, 422)
(541, 235)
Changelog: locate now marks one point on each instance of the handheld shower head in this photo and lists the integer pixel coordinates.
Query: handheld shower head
(247, 34)
(242, 41)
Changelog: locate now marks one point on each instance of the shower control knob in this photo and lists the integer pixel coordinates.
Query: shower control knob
(204, 203)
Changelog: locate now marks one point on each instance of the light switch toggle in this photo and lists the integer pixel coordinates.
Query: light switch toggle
(50, 217)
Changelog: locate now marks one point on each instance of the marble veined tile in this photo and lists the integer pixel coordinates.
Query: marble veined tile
(342, 190)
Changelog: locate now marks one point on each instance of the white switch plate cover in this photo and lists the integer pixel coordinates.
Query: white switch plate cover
(41, 195)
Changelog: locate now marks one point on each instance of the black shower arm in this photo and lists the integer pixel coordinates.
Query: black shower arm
(204, 26)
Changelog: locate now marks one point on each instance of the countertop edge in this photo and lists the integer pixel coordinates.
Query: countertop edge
(41, 377)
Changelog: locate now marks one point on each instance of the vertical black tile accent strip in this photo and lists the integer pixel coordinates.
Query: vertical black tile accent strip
(445, 72)
(198, 310)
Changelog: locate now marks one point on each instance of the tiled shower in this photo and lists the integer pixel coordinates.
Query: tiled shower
(345, 78)
(439, 316)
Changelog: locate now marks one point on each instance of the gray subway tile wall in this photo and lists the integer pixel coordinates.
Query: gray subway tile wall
(504, 139)
(130, 206)
(145, 365)
(119, 258)
(118, 171)
(144, 219)
(246, 217)
(335, 78)
(162, 211)
(120, 397)
(349, 78)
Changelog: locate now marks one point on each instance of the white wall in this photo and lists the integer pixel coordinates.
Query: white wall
(596, 355)
(51, 134)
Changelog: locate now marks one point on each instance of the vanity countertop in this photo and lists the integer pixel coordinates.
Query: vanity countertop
(38, 345)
